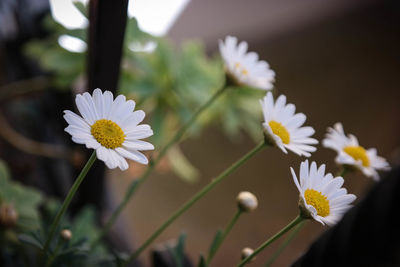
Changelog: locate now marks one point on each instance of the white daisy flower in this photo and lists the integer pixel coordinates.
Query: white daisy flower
(322, 197)
(109, 126)
(245, 68)
(282, 126)
(352, 154)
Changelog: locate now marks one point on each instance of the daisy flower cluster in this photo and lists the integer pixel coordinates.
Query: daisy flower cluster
(113, 129)
(322, 197)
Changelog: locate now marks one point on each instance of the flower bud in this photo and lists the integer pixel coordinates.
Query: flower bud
(247, 252)
(66, 234)
(247, 201)
(8, 215)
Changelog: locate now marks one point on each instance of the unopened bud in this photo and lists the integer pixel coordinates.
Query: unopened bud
(8, 215)
(247, 252)
(66, 234)
(247, 201)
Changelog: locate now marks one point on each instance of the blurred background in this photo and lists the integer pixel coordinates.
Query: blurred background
(335, 60)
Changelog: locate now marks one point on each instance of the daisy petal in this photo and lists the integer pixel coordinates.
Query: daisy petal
(132, 155)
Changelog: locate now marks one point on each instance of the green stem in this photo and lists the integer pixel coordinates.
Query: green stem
(135, 184)
(285, 243)
(293, 223)
(224, 234)
(195, 198)
(67, 201)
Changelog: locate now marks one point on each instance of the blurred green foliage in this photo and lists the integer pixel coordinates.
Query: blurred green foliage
(25, 216)
(169, 83)
(18, 204)
(178, 250)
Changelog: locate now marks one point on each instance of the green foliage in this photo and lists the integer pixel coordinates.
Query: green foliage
(25, 238)
(23, 200)
(67, 67)
(76, 252)
(178, 251)
(181, 166)
(215, 242)
(202, 262)
(33, 239)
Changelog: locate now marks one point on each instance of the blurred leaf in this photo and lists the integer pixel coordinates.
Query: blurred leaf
(134, 34)
(77, 33)
(76, 252)
(25, 200)
(84, 225)
(215, 242)
(202, 262)
(181, 165)
(30, 239)
(158, 123)
(81, 7)
(178, 251)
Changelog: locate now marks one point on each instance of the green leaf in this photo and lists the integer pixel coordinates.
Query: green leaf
(181, 165)
(82, 8)
(215, 242)
(25, 200)
(202, 262)
(78, 33)
(158, 124)
(30, 239)
(178, 251)
(134, 34)
(84, 225)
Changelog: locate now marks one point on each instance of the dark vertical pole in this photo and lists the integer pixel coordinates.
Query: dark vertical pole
(107, 22)
(106, 35)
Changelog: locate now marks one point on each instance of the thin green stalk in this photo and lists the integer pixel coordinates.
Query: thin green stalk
(224, 234)
(67, 201)
(195, 198)
(285, 243)
(135, 184)
(293, 223)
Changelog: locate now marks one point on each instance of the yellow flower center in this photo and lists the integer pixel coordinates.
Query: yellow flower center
(318, 201)
(239, 66)
(280, 130)
(358, 153)
(108, 133)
